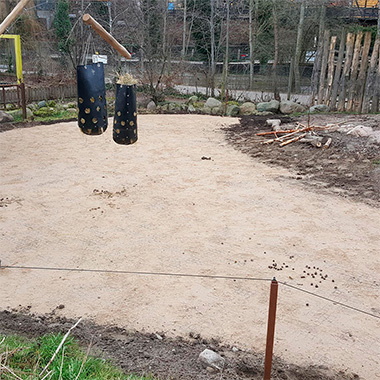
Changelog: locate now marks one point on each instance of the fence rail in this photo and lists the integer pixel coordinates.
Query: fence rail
(34, 94)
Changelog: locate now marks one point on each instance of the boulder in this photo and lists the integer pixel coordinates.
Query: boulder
(375, 137)
(4, 117)
(248, 108)
(72, 110)
(232, 110)
(212, 103)
(361, 131)
(272, 106)
(287, 107)
(174, 107)
(151, 106)
(192, 99)
(206, 110)
(211, 359)
(45, 112)
(217, 110)
(319, 108)
(42, 104)
(191, 108)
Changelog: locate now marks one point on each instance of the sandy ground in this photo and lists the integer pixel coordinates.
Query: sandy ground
(75, 201)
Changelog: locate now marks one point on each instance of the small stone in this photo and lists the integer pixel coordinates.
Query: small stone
(212, 359)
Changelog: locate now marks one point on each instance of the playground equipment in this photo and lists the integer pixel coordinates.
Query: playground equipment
(18, 54)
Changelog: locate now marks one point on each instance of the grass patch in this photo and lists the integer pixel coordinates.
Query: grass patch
(22, 358)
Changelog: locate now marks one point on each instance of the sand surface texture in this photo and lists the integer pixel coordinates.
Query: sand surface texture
(75, 201)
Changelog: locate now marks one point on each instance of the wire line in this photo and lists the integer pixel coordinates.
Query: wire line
(136, 272)
(329, 299)
(167, 274)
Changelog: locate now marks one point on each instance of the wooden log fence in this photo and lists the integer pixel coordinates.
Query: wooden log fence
(35, 94)
(349, 78)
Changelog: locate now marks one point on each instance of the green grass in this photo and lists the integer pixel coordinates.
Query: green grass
(21, 358)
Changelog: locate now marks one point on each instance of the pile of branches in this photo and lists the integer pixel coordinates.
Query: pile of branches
(301, 133)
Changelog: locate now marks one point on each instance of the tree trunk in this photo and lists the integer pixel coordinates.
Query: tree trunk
(276, 93)
(183, 52)
(253, 6)
(226, 56)
(297, 55)
(317, 62)
(212, 58)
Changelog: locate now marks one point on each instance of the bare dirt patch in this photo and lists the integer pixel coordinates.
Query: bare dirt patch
(158, 355)
(350, 167)
(160, 206)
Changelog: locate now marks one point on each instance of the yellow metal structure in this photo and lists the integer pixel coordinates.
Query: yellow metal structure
(18, 54)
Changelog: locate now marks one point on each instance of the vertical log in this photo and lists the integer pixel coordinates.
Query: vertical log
(317, 62)
(338, 72)
(322, 77)
(371, 77)
(330, 70)
(271, 328)
(360, 83)
(354, 71)
(376, 95)
(346, 71)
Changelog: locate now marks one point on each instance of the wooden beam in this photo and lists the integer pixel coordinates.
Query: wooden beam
(87, 19)
(13, 15)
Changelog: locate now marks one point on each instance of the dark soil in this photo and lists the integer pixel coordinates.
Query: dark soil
(157, 355)
(350, 167)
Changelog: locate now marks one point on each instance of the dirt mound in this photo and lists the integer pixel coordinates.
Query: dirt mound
(156, 354)
(349, 168)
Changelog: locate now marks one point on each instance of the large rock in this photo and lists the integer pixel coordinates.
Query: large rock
(375, 137)
(191, 108)
(287, 107)
(42, 104)
(248, 108)
(151, 106)
(361, 131)
(4, 117)
(213, 103)
(211, 359)
(193, 99)
(319, 108)
(232, 110)
(272, 106)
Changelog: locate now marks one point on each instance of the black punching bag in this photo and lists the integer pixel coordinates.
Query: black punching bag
(125, 120)
(92, 116)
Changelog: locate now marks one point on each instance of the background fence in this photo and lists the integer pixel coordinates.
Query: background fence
(348, 79)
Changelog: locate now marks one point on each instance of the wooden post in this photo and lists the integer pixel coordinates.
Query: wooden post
(13, 15)
(87, 19)
(371, 77)
(23, 100)
(326, 39)
(350, 41)
(338, 72)
(271, 327)
(354, 71)
(330, 71)
(360, 83)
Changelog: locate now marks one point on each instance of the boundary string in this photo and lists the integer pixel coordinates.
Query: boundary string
(167, 274)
